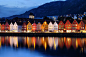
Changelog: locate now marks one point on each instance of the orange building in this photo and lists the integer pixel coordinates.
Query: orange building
(85, 27)
(61, 26)
(2, 28)
(81, 25)
(44, 26)
(6, 27)
(29, 27)
(74, 26)
(24, 27)
(68, 26)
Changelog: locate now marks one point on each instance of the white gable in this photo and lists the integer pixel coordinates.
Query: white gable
(11, 27)
(50, 27)
(15, 27)
(55, 26)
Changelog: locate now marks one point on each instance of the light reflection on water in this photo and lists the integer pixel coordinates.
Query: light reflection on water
(36, 42)
(53, 42)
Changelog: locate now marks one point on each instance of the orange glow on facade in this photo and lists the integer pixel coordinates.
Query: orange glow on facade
(61, 26)
(85, 27)
(29, 27)
(81, 25)
(74, 26)
(2, 28)
(34, 27)
(44, 26)
(68, 26)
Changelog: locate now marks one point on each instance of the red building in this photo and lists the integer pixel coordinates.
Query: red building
(2, 28)
(74, 26)
(34, 27)
(81, 25)
(61, 26)
(24, 27)
(6, 27)
(68, 26)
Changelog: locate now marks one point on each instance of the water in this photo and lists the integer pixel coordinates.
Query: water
(15, 46)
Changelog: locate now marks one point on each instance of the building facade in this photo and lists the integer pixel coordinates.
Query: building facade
(24, 27)
(29, 27)
(34, 27)
(81, 25)
(55, 27)
(74, 26)
(50, 27)
(15, 27)
(68, 26)
(39, 28)
(2, 28)
(44, 26)
(7, 27)
(61, 26)
(11, 27)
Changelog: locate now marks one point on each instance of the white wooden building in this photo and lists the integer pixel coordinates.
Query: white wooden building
(50, 27)
(55, 27)
(15, 27)
(11, 27)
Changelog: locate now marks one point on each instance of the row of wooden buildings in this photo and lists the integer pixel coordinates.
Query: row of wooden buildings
(60, 26)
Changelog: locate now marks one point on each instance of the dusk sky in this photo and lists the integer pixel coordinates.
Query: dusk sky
(12, 7)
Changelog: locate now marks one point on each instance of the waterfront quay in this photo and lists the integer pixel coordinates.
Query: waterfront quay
(45, 34)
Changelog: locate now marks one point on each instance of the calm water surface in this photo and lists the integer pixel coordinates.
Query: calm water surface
(15, 46)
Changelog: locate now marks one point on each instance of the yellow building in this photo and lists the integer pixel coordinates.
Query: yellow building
(0, 27)
(29, 27)
(44, 26)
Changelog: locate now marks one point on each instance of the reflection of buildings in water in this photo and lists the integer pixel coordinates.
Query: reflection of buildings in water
(11, 41)
(39, 41)
(0, 41)
(29, 41)
(61, 42)
(55, 42)
(15, 41)
(7, 40)
(68, 42)
(34, 41)
(74, 43)
(85, 42)
(85, 50)
(23, 40)
(80, 42)
(51, 41)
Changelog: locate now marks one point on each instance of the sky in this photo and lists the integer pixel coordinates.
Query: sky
(13, 7)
